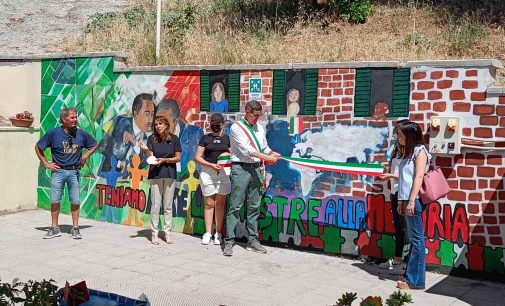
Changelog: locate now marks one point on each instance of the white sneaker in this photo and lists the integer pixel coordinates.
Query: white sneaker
(389, 264)
(218, 237)
(206, 238)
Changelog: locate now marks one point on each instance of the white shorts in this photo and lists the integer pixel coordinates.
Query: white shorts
(211, 182)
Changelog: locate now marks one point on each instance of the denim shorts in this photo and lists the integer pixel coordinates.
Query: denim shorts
(58, 180)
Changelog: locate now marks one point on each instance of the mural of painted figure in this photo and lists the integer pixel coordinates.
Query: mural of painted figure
(189, 135)
(293, 102)
(380, 111)
(218, 97)
(128, 132)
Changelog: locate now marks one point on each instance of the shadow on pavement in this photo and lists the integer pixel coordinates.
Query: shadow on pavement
(65, 228)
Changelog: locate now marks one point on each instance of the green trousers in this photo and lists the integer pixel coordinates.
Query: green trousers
(245, 188)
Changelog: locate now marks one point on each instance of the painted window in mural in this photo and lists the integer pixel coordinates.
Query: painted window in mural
(295, 92)
(220, 91)
(382, 93)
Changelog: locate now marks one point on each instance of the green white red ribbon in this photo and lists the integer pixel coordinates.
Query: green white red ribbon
(350, 168)
(224, 160)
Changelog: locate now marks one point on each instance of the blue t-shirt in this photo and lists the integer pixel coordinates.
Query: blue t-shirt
(221, 106)
(66, 150)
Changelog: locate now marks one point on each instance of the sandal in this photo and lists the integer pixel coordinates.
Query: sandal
(155, 240)
(404, 285)
(168, 239)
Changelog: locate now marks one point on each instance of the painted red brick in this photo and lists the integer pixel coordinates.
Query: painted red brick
(483, 109)
(417, 96)
(338, 92)
(502, 121)
(501, 206)
(345, 70)
(467, 184)
(336, 77)
(496, 184)
(494, 159)
(317, 194)
(475, 197)
(326, 92)
(474, 220)
(457, 95)
(474, 159)
(477, 229)
(483, 132)
(480, 240)
(434, 95)
(470, 84)
(490, 220)
(452, 73)
(346, 100)
(472, 73)
(333, 101)
(465, 171)
(500, 110)
(349, 84)
(461, 107)
(456, 195)
(478, 96)
(336, 109)
(444, 84)
(416, 117)
(322, 84)
(343, 116)
(501, 100)
(473, 208)
(267, 74)
(443, 161)
(349, 91)
(418, 75)
(488, 120)
(424, 85)
(467, 132)
(423, 106)
(348, 77)
(448, 172)
(453, 184)
(435, 75)
(358, 194)
(412, 107)
(486, 171)
(439, 106)
(488, 208)
(329, 117)
(496, 241)
(483, 184)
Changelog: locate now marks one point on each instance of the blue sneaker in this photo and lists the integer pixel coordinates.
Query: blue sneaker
(52, 232)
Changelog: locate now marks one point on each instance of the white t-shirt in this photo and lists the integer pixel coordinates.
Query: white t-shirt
(394, 170)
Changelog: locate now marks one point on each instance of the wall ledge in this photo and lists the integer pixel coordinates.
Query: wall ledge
(495, 91)
(19, 129)
(32, 57)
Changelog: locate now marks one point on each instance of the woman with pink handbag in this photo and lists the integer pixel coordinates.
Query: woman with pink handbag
(411, 170)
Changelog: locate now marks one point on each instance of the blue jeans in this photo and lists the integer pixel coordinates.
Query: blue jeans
(61, 177)
(415, 273)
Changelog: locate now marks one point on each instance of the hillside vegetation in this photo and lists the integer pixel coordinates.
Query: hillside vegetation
(288, 31)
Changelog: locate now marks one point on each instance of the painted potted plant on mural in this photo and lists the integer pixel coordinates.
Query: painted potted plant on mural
(24, 119)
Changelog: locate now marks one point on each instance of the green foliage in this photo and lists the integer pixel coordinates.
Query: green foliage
(417, 43)
(399, 298)
(353, 10)
(347, 299)
(99, 22)
(396, 298)
(462, 34)
(32, 293)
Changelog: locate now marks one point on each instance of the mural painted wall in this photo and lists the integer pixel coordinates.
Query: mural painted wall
(340, 117)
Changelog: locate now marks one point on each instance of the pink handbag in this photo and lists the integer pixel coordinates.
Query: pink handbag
(434, 185)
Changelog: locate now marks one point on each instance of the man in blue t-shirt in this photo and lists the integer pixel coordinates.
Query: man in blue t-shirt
(66, 143)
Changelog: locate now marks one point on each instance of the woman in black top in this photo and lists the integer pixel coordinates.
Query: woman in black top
(166, 148)
(214, 181)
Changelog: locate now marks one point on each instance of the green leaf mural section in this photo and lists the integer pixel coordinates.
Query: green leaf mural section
(86, 84)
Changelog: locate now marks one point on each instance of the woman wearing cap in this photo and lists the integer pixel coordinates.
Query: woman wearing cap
(166, 149)
(214, 182)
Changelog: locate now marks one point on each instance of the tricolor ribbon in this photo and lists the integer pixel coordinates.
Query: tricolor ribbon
(224, 161)
(248, 131)
(350, 168)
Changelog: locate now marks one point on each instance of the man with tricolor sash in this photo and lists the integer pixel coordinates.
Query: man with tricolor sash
(250, 152)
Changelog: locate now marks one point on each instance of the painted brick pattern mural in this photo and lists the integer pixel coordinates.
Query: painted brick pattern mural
(304, 208)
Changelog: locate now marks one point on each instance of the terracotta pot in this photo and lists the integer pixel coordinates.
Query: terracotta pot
(21, 122)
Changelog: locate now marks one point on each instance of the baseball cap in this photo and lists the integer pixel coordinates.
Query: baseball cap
(217, 117)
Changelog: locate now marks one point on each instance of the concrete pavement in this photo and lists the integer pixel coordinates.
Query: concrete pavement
(120, 259)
